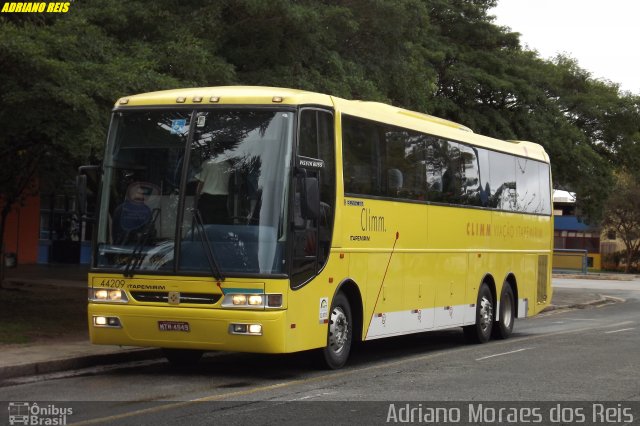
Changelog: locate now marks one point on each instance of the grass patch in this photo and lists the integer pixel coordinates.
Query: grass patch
(31, 313)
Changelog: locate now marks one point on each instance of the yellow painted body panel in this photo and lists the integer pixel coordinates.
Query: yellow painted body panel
(442, 254)
(402, 256)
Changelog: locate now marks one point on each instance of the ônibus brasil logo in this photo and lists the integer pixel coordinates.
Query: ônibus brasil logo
(30, 413)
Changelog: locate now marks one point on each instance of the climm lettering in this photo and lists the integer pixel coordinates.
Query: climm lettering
(371, 222)
(478, 229)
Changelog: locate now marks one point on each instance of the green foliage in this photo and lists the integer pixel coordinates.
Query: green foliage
(61, 75)
(622, 214)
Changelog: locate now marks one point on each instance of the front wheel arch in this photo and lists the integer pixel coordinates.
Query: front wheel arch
(352, 292)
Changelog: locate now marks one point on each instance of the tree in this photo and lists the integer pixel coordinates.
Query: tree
(622, 214)
(61, 76)
(62, 73)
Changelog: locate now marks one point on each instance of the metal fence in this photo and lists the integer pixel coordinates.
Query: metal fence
(569, 261)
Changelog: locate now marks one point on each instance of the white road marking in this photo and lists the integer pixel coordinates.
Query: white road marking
(319, 395)
(504, 353)
(618, 331)
(581, 319)
(619, 324)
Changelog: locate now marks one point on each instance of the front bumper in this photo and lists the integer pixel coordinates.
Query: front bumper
(208, 328)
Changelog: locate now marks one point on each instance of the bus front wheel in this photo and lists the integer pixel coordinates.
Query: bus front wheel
(480, 332)
(340, 333)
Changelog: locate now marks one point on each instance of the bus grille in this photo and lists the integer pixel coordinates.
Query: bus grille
(163, 297)
(543, 261)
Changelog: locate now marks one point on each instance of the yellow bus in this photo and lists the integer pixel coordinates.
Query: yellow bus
(273, 220)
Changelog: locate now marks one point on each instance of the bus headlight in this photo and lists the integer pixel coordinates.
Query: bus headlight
(252, 301)
(113, 295)
(255, 300)
(247, 329)
(239, 299)
(108, 322)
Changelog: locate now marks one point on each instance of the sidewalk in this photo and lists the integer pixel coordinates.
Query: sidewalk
(50, 274)
(18, 360)
(75, 352)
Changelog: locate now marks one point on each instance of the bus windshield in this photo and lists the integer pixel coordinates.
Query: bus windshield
(214, 180)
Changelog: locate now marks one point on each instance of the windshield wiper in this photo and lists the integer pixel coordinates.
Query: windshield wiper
(206, 245)
(136, 256)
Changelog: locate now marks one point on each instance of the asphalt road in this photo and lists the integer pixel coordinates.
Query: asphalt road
(589, 354)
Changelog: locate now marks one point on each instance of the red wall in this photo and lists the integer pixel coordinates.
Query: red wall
(23, 231)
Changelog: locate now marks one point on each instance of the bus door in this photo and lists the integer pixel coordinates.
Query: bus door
(314, 195)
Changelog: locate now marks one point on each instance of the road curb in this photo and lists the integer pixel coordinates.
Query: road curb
(75, 363)
(596, 302)
(594, 276)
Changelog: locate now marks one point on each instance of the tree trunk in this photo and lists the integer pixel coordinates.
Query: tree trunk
(627, 264)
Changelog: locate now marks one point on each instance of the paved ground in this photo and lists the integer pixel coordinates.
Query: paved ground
(568, 364)
(18, 360)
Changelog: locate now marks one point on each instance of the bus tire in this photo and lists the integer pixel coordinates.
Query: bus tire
(339, 333)
(182, 358)
(480, 332)
(503, 327)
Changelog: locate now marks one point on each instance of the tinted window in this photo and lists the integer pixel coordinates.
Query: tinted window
(395, 163)
(404, 164)
(545, 188)
(483, 176)
(383, 160)
(361, 157)
(415, 168)
(452, 172)
(502, 181)
(470, 194)
(528, 185)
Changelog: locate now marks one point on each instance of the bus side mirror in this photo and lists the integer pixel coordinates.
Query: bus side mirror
(87, 176)
(81, 195)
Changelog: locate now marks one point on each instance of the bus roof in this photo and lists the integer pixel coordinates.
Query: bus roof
(259, 95)
(235, 95)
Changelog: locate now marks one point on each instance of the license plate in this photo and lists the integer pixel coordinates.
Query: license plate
(173, 326)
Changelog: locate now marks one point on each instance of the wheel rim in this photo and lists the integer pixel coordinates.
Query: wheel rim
(486, 314)
(338, 330)
(507, 312)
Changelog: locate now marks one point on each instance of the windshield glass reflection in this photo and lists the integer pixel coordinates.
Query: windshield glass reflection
(235, 179)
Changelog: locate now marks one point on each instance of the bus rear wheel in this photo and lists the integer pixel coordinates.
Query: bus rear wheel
(480, 332)
(504, 325)
(339, 335)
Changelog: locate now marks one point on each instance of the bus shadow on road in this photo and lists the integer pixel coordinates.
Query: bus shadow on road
(245, 366)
